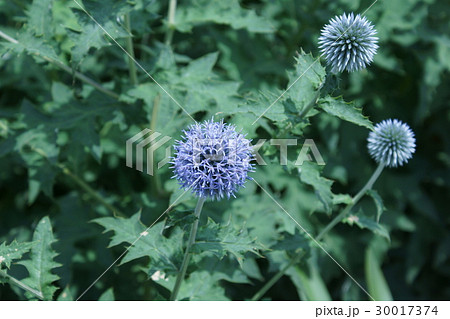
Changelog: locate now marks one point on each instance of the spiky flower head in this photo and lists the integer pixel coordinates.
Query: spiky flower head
(212, 159)
(348, 42)
(392, 142)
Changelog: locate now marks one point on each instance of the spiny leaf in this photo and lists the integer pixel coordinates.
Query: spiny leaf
(164, 253)
(91, 35)
(305, 80)
(223, 239)
(345, 111)
(33, 45)
(42, 262)
(310, 174)
(13, 251)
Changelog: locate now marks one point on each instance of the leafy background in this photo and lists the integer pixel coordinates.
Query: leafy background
(62, 150)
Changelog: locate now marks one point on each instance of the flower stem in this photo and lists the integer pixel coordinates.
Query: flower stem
(18, 283)
(130, 49)
(64, 67)
(171, 21)
(324, 231)
(187, 254)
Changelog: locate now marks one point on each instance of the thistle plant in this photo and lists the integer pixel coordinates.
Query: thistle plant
(391, 144)
(213, 160)
(348, 43)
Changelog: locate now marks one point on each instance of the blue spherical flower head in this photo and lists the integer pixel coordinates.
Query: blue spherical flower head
(348, 42)
(212, 159)
(392, 143)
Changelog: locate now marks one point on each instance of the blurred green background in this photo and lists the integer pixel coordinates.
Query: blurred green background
(220, 56)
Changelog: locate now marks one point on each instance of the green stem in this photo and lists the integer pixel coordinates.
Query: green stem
(130, 49)
(187, 254)
(90, 191)
(369, 183)
(64, 67)
(261, 292)
(18, 283)
(171, 21)
(324, 231)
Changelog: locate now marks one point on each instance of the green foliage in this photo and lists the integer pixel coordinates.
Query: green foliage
(364, 222)
(195, 12)
(345, 111)
(69, 106)
(41, 263)
(226, 239)
(305, 80)
(163, 253)
(310, 174)
(12, 251)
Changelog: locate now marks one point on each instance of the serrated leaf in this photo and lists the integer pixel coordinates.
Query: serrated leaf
(13, 251)
(164, 253)
(378, 202)
(345, 111)
(305, 81)
(376, 282)
(40, 17)
(42, 262)
(33, 45)
(195, 12)
(91, 35)
(366, 223)
(224, 239)
(310, 174)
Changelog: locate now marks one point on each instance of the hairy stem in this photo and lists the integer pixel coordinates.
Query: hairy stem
(171, 21)
(131, 64)
(187, 254)
(18, 283)
(64, 67)
(260, 293)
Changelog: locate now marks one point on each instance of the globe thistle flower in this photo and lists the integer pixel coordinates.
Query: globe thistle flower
(392, 143)
(212, 159)
(348, 42)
